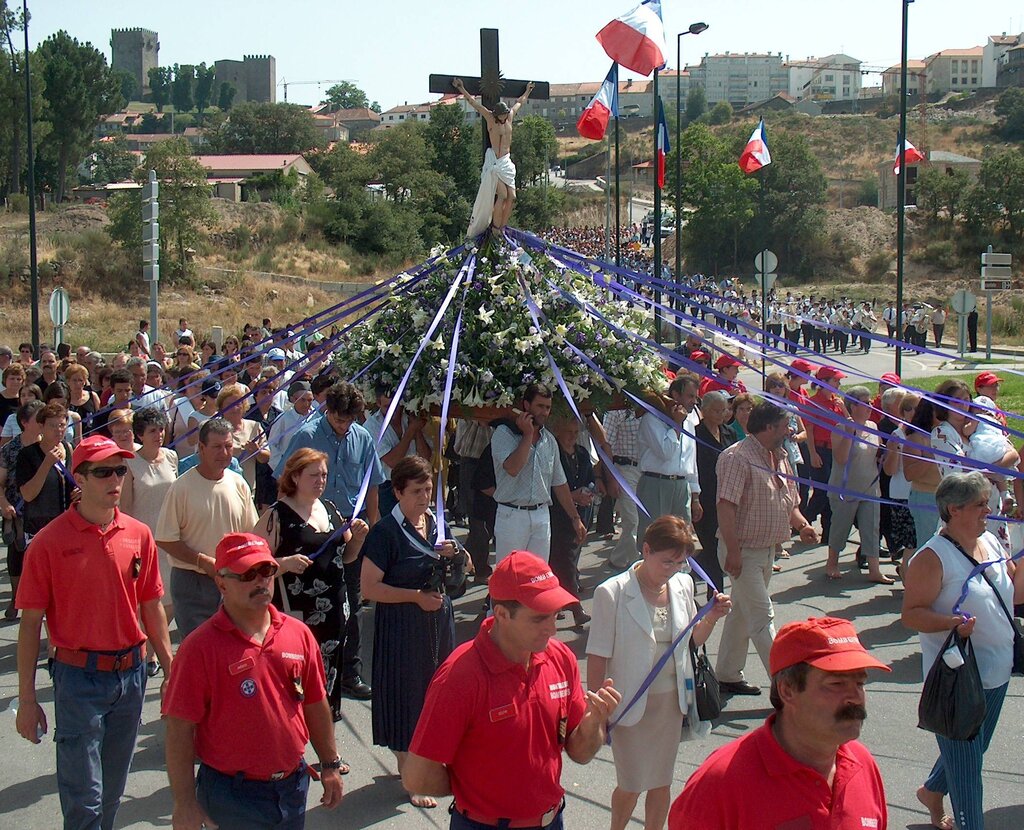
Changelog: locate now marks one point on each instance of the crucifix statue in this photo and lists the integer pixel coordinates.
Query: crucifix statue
(496, 195)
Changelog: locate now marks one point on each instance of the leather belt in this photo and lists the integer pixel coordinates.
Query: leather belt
(101, 661)
(521, 824)
(621, 459)
(274, 776)
(521, 507)
(664, 477)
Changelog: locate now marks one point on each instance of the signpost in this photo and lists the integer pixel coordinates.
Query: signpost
(765, 263)
(963, 303)
(995, 276)
(151, 246)
(60, 307)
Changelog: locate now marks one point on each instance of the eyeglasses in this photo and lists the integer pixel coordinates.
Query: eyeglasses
(184, 354)
(106, 472)
(264, 571)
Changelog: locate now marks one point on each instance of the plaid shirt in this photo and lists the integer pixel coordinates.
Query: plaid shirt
(622, 427)
(745, 478)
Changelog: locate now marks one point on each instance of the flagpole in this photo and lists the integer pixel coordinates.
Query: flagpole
(657, 216)
(901, 192)
(607, 198)
(618, 198)
(764, 285)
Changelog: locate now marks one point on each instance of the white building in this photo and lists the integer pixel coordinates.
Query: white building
(740, 79)
(831, 78)
(994, 53)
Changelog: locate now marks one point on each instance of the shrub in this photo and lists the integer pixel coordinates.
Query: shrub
(17, 203)
(877, 265)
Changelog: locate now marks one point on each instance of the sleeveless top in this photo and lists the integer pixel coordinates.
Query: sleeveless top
(992, 638)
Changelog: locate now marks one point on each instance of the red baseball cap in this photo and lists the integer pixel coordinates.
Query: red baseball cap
(698, 355)
(826, 372)
(986, 379)
(97, 448)
(827, 643)
(238, 552)
(891, 377)
(801, 365)
(525, 578)
(725, 361)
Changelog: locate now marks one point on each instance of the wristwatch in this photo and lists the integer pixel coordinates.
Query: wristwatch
(335, 764)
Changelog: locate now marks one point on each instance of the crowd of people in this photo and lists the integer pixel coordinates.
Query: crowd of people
(223, 516)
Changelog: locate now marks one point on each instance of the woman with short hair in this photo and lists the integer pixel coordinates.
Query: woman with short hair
(935, 579)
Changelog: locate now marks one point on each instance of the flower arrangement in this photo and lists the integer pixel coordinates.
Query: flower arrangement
(501, 349)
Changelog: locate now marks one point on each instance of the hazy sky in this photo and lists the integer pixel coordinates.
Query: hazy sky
(389, 48)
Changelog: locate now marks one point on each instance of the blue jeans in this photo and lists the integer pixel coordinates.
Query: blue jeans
(97, 721)
(958, 770)
(236, 804)
(926, 518)
(460, 822)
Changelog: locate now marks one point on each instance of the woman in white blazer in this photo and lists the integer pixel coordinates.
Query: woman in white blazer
(636, 615)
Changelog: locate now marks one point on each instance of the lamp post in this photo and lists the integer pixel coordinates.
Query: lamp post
(694, 29)
(31, 177)
(901, 192)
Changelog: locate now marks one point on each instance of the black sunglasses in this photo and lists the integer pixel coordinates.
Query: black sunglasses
(106, 472)
(264, 571)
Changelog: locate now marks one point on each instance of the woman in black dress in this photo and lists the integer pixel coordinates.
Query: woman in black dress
(311, 580)
(414, 628)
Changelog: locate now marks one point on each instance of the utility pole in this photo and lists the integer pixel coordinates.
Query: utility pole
(151, 246)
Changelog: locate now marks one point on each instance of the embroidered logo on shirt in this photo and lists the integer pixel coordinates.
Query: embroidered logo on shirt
(288, 655)
(248, 687)
(559, 690)
(869, 822)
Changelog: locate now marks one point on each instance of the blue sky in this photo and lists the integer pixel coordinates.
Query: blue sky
(389, 48)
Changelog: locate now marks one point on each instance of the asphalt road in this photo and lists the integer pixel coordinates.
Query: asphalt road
(374, 798)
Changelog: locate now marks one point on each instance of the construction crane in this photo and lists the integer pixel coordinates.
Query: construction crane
(287, 84)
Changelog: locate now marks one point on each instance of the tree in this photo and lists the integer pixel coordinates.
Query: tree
(79, 89)
(160, 78)
(225, 96)
(455, 146)
(181, 89)
(267, 128)
(696, 104)
(345, 96)
(534, 147)
(126, 82)
(114, 162)
(184, 204)
(400, 158)
(720, 114)
(939, 192)
(1010, 108)
(997, 201)
(205, 77)
(12, 99)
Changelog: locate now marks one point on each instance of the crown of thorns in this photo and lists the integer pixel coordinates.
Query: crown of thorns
(501, 108)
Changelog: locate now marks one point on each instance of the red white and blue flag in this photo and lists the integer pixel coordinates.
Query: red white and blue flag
(637, 38)
(663, 146)
(756, 154)
(593, 121)
(906, 153)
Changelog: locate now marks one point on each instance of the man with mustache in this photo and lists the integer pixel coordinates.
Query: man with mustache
(249, 696)
(804, 767)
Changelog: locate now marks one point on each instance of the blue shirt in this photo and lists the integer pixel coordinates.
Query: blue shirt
(189, 461)
(347, 459)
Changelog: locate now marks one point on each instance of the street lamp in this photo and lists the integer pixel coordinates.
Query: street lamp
(695, 29)
(901, 191)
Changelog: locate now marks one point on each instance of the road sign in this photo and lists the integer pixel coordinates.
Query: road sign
(766, 261)
(996, 259)
(150, 232)
(151, 251)
(151, 271)
(769, 280)
(996, 272)
(964, 302)
(60, 306)
(995, 285)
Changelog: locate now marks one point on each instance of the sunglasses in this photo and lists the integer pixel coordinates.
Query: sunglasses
(106, 472)
(264, 571)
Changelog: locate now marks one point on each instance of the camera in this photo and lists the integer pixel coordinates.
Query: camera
(448, 576)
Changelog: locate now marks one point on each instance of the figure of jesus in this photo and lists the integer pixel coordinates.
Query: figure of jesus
(497, 193)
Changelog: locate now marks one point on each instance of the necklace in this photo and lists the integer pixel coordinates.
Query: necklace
(647, 589)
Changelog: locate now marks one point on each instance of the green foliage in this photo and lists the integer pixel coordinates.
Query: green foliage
(181, 88)
(389, 230)
(1010, 108)
(720, 114)
(126, 83)
(538, 207)
(941, 196)
(12, 112)
(399, 158)
(456, 147)
(225, 96)
(998, 199)
(345, 96)
(877, 265)
(151, 123)
(79, 89)
(267, 128)
(160, 78)
(205, 77)
(696, 104)
(867, 192)
(941, 253)
(114, 161)
(534, 148)
(17, 203)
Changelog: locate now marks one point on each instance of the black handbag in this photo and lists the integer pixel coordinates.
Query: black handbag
(706, 693)
(953, 701)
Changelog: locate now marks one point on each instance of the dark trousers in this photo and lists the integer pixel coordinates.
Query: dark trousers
(237, 804)
(606, 516)
(807, 330)
(818, 504)
(351, 662)
(937, 330)
(708, 557)
(775, 330)
(792, 340)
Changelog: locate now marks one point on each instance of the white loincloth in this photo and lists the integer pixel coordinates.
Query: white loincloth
(494, 170)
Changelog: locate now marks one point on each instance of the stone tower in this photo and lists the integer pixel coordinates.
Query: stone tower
(260, 78)
(135, 51)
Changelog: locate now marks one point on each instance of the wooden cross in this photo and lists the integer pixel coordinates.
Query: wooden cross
(490, 86)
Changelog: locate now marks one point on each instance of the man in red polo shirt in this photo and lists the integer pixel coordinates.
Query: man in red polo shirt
(728, 369)
(824, 410)
(246, 696)
(804, 767)
(501, 709)
(92, 572)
